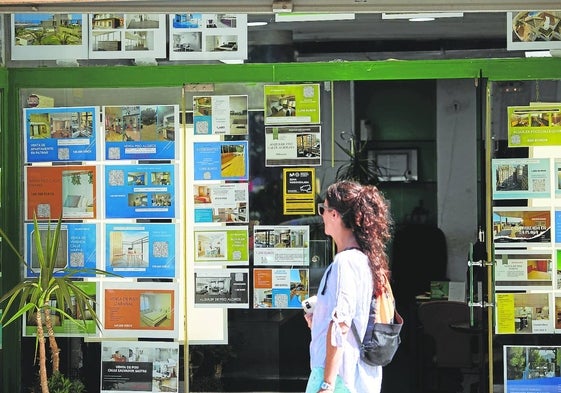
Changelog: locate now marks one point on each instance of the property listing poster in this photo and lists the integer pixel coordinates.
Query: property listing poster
(280, 288)
(533, 30)
(222, 245)
(557, 177)
(77, 250)
(532, 368)
(127, 36)
(144, 250)
(72, 45)
(140, 191)
(196, 36)
(224, 203)
(221, 160)
(60, 191)
(522, 270)
(521, 178)
(292, 104)
(139, 366)
(535, 125)
(293, 145)
(60, 134)
(63, 327)
(225, 288)
(141, 132)
(140, 309)
(220, 115)
(558, 227)
(281, 245)
(557, 313)
(299, 191)
(558, 264)
(521, 227)
(523, 313)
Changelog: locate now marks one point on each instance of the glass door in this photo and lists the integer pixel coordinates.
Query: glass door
(523, 165)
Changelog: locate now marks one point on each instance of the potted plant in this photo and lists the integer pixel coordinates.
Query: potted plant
(33, 295)
(358, 168)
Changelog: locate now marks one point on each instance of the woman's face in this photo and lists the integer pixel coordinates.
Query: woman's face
(328, 214)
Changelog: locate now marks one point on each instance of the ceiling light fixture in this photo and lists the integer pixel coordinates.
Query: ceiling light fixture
(421, 16)
(254, 24)
(311, 17)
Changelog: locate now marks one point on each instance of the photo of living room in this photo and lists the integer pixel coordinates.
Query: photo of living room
(129, 249)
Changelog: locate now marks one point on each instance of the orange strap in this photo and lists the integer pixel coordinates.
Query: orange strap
(385, 305)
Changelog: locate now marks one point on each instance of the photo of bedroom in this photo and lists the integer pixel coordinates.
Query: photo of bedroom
(156, 310)
(78, 194)
(129, 249)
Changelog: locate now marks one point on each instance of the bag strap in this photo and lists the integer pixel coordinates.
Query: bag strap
(385, 304)
(355, 332)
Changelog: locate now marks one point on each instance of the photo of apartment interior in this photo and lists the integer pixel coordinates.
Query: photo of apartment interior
(161, 199)
(156, 310)
(164, 373)
(106, 41)
(281, 106)
(238, 115)
(211, 245)
(136, 199)
(165, 128)
(228, 43)
(142, 21)
(62, 255)
(160, 178)
(136, 178)
(73, 311)
(129, 249)
(236, 214)
(539, 269)
(78, 194)
(71, 124)
(213, 285)
(187, 42)
(307, 145)
(202, 106)
(202, 194)
(529, 308)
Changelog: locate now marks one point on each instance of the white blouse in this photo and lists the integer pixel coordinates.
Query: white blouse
(344, 294)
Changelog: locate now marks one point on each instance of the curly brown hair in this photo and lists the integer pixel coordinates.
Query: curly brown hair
(365, 210)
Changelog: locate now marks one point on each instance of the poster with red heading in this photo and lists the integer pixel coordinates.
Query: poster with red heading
(60, 191)
(144, 309)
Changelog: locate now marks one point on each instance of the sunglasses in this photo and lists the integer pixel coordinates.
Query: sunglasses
(322, 208)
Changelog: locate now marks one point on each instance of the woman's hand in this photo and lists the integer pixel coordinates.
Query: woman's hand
(308, 318)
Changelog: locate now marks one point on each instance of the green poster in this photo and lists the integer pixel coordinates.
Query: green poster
(534, 125)
(292, 104)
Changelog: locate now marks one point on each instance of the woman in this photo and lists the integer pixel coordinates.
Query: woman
(357, 218)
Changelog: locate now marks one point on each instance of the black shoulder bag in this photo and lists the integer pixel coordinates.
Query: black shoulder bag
(381, 339)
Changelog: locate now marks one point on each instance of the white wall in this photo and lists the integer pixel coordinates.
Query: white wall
(457, 170)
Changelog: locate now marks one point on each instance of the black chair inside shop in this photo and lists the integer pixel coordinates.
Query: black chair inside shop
(449, 347)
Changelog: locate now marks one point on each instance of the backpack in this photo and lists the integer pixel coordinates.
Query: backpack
(381, 340)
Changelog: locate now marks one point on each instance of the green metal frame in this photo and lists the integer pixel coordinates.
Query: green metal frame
(13, 79)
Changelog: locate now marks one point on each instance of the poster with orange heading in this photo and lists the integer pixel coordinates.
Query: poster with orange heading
(60, 191)
(144, 309)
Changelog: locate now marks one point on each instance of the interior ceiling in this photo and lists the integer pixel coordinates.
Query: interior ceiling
(480, 32)
(369, 37)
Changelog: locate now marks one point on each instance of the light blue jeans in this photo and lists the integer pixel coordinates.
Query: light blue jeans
(316, 378)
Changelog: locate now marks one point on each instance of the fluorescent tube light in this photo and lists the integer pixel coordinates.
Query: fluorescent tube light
(253, 24)
(310, 16)
(419, 16)
(538, 53)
